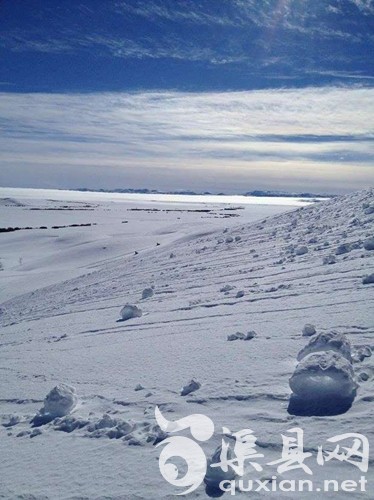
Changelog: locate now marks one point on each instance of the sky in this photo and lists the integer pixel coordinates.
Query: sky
(205, 95)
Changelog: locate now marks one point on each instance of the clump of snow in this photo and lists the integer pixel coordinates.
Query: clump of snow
(133, 441)
(369, 209)
(105, 422)
(238, 238)
(69, 423)
(192, 386)
(60, 401)
(229, 239)
(156, 435)
(309, 330)
(361, 353)
(23, 433)
(250, 335)
(14, 420)
(241, 336)
(147, 293)
(110, 427)
(302, 250)
(327, 341)
(329, 259)
(35, 432)
(226, 288)
(367, 280)
(323, 375)
(364, 376)
(342, 249)
(235, 336)
(240, 294)
(139, 387)
(128, 311)
(369, 244)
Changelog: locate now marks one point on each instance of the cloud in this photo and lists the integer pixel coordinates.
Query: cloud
(320, 137)
(289, 34)
(366, 6)
(188, 11)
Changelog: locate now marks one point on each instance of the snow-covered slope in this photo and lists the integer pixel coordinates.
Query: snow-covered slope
(50, 235)
(272, 276)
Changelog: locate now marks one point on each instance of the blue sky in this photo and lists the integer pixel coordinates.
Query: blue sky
(220, 95)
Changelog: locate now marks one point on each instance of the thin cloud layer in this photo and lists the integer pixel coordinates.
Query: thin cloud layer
(307, 139)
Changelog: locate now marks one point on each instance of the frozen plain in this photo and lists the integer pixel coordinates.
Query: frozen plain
(62, 292)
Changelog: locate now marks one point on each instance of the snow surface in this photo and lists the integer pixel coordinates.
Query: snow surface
(62, 292)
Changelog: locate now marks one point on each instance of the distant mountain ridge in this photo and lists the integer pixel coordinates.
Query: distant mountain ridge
(257, 193)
